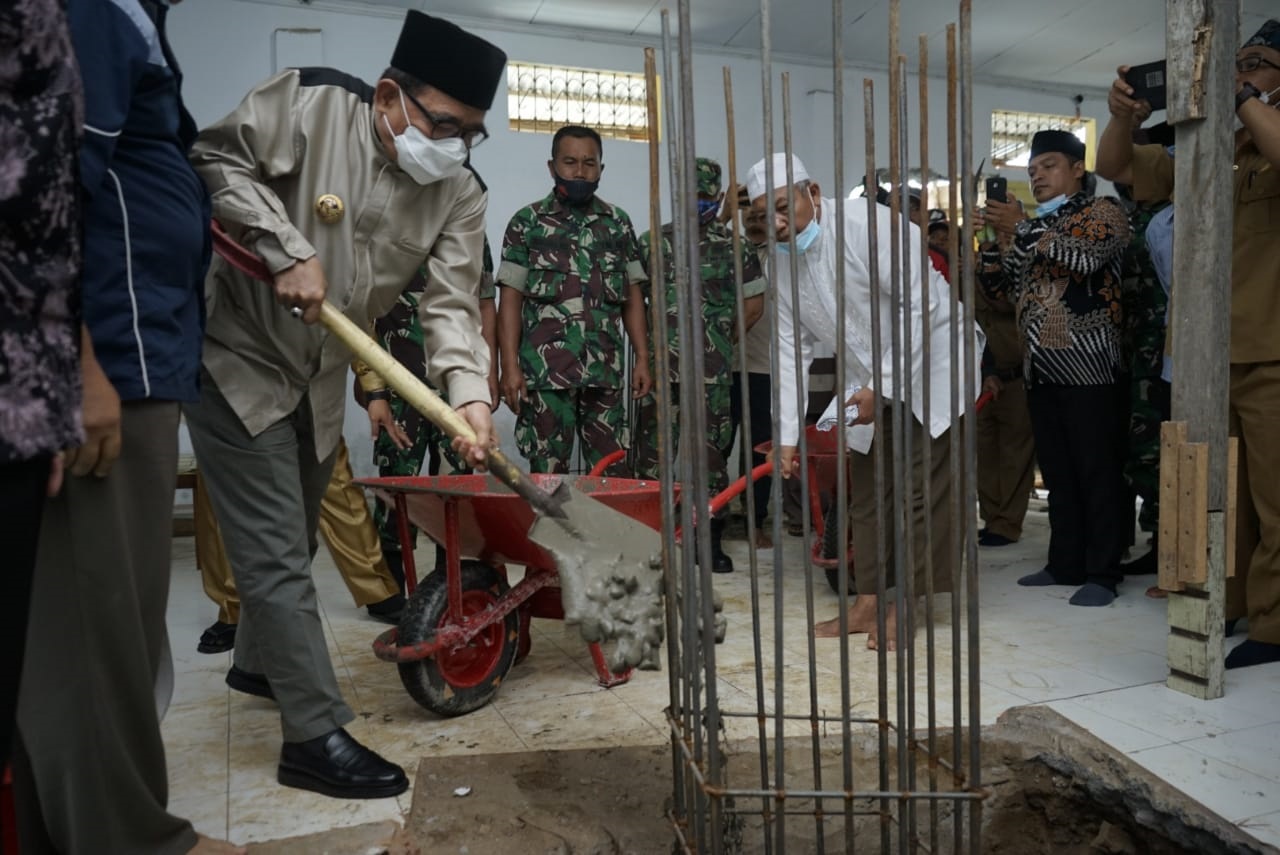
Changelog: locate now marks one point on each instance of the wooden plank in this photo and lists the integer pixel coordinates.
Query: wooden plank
(1193, 522)
(1188, 654)
(1233, 484)
(1172, 436)
(1189, 613)
(1201, 37)
(1194, 687)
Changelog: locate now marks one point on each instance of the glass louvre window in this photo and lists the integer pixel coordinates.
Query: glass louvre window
(542, 98)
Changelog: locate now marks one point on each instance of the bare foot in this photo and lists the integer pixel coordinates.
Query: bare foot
(862, 618)
(890, 629)
(1155, 592)
(209, 846)
(763, 540)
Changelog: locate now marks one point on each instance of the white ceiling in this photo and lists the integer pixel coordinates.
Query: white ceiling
(1050, 42)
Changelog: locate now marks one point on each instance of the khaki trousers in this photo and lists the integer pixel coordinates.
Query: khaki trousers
(1254, 417)
(862, 508)
(345, 525)
(1006, 461)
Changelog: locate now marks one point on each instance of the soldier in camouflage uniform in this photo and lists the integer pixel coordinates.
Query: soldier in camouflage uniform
(719, 317)
(571, 270)
(1149, 400)
(403, 436)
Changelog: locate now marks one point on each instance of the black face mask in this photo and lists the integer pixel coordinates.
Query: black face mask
(575, 191)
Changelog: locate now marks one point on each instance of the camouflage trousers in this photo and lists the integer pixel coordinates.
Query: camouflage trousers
(1149, 406)
(550, 418)
(719, 434)
(425, 440)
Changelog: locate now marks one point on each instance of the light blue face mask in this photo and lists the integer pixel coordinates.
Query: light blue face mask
(1047, 208)
(807, 238)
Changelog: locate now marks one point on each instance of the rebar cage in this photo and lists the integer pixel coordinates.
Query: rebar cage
(830, 750)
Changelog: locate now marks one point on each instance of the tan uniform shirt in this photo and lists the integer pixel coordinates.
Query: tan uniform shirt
(1255, 244)
(296, 137)
(1003, 341)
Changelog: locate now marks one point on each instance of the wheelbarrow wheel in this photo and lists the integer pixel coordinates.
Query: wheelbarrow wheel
(462, 679)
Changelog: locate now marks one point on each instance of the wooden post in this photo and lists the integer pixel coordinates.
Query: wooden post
(1201, 41)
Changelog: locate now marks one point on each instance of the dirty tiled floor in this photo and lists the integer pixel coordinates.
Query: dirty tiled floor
(1103, 668)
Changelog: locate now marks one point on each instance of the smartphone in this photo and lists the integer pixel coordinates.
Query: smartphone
(998, 188)
(1148, 82)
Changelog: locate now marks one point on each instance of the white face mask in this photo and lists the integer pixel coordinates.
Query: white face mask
(423, 159)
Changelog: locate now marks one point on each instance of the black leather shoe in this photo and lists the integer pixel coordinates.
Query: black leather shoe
(218, 638)
(250, 683)
(338, 766)
(388, 610)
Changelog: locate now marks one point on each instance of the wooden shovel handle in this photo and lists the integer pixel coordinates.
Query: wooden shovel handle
(431, 405)
(409, 387)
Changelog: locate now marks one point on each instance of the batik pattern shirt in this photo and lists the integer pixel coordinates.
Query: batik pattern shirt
(1063, 276)
(40, 119)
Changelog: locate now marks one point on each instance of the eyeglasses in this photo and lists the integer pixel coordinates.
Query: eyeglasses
(447, 127)
(1251, 63)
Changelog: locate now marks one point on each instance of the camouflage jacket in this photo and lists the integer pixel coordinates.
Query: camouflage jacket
(400, 333)
(719, 305)
(1144, 298)
(573, 266)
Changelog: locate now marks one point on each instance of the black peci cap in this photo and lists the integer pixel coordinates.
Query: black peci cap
(1063, 142)
(443, 55)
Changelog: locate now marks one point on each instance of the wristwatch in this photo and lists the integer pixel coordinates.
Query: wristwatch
(1247, 91)
(378, 395)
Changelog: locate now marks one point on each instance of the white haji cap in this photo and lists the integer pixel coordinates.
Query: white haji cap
(756, 178)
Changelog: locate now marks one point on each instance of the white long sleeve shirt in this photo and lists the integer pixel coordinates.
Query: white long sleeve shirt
(812, 321)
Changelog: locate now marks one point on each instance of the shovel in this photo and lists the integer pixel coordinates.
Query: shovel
(609, 564)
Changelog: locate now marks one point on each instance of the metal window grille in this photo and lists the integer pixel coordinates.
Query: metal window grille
(1011, 133)
(542, 98)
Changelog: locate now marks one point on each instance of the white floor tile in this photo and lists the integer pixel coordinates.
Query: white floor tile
(1256, 749)
(1173, 716)
(1102, 668)
(1119, 735)
(1229, 791)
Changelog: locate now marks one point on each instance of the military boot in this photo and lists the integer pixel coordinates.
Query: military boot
(720, 562)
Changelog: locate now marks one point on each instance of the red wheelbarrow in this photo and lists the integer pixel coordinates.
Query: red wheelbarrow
(820, 460)
(465, 625)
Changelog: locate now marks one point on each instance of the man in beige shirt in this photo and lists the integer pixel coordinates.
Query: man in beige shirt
(345, 190)
(1254, 404)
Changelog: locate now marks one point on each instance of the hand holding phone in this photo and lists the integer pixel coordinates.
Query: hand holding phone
(998, 188)
(1148, 83)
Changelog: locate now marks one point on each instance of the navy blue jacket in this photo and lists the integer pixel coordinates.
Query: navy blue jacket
(146, 212)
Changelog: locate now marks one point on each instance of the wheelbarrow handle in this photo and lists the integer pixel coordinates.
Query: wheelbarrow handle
(399, 378)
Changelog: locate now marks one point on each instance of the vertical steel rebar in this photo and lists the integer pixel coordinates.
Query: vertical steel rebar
(957, 485)
(688, 591)
(744, 391)
(770, 207)
(970, 428)
(694, 422)
(877, 451)
(662, 391)
(841, 498)
(926, 391)
(793, 261)
(897, 419)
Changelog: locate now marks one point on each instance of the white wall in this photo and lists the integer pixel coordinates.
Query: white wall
(226, 46)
